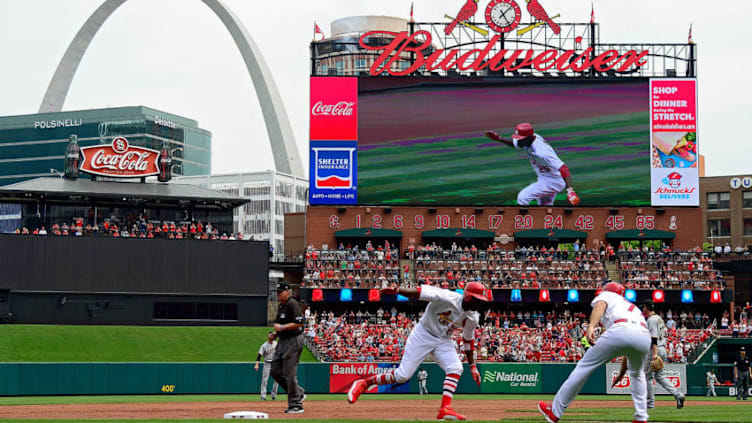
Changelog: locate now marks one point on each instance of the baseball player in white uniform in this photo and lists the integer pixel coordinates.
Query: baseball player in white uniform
(266, 352)
(626, 334)
(553, 174)
(658, 333)
(446, 311)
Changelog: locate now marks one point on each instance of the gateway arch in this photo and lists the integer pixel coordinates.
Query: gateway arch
(284, 149)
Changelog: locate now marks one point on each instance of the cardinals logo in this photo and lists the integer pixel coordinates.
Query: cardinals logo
(673, 180)
(502, 16)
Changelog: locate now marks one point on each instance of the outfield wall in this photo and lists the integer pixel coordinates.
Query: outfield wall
(241, 378)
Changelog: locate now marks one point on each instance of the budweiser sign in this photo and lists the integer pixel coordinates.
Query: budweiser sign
(119, 160)
(419, 43)
(342, 108)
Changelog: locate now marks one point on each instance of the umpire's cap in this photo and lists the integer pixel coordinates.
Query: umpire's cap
(283, 286)
(475, 290)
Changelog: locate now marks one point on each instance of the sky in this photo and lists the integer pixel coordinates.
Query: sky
(176, 56)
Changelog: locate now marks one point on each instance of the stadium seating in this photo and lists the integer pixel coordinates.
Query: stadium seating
(670, 270)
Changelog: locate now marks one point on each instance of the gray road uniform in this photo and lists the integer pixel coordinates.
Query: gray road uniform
(422, 378)
(658, 332)
(266, 352)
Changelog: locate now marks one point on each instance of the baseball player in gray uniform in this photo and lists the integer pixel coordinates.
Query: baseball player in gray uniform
(422, 378)
(658, 332)
(711, 381)
(266, 352)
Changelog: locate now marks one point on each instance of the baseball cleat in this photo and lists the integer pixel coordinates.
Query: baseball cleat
(357, 388)
(639, 421)
(295, 409)
(548, 414)
(680, 403)
(447, 413)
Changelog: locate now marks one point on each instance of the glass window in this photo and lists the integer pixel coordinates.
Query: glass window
(719, 227)
(748, 226)
(747, 199)
(718, 200)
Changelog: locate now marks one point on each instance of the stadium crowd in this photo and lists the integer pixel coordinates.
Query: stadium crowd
(535, 267)
(503, 336)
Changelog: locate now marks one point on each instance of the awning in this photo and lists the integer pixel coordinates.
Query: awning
(459, 233)
(368, 233)
(550, 234)
(640, 234)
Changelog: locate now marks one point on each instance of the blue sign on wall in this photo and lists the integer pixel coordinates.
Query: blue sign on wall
(333, 172)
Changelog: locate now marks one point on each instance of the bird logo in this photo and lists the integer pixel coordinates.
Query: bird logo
(538, 12)
(466, 13)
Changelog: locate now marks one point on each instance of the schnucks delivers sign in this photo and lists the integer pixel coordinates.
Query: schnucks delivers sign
(674, 149)
(119, 160)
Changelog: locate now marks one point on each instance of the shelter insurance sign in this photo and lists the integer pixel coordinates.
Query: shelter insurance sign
(119, 160)
(674, 147)
(334, 141)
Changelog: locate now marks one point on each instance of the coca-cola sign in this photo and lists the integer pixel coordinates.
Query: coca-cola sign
(334, 109)
(340, 108)
(419, 45)
(119, 160)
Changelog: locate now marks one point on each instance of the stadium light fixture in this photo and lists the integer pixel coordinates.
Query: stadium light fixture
(401, 298)
(630, 295)
(345, 294)
(687, 297)
(374, 295)
(460, 291)
(516, 296)
(659, 296)
(573, 296)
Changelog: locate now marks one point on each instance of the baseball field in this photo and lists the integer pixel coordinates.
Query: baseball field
(433, 151)
(371, 408)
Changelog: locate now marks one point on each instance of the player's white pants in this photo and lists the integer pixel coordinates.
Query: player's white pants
(419, 344)
(544, 190)
(265, 379)
(711, 391)
(621, 339)
(422, 387)
(659, 377)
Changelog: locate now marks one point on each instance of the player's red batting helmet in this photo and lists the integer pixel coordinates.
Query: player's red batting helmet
(475, 290)
(523, 131)
(615, 287)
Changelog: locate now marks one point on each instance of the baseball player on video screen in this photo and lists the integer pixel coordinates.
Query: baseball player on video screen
(446, 311)
(553, 174)
(626, 334)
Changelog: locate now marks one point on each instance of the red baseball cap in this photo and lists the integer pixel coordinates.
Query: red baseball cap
(522, 131)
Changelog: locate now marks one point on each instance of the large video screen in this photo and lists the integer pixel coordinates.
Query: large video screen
(421, 141)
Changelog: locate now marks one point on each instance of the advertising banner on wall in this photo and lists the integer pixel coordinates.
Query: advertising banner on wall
(511, 378)
(675, 373)
(342, 375)
(334, 141)
(673, 139)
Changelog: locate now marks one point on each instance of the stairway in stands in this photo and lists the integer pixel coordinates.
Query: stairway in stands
(613, 271)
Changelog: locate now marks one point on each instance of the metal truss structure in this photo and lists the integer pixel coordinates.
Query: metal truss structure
(343, 55)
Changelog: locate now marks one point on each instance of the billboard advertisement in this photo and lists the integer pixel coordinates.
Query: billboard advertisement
(342, 375)
(511, 378)
(675, 373)
(422, 141)
(333, 141)
(674, 170)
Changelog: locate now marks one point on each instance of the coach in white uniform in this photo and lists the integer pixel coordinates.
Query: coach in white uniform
(446, 311)
(553, 174)
(626, 334)
(266, 353)
(658, 334)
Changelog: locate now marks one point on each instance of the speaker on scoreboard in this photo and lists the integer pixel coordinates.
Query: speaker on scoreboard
(500, 211)
(432, 211)
(613, 211)
(387, 210)
(660, 211)
(523, 211)
(478, 211)
(568, 211)
(341, 209)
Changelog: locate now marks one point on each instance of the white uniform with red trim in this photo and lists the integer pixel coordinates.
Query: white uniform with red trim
(433, 333)
(546, 164)
(626, 334)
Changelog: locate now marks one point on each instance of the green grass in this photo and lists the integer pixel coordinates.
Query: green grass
(60, 343)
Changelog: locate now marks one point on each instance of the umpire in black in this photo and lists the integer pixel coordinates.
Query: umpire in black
(289, 328)
(742, 374)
